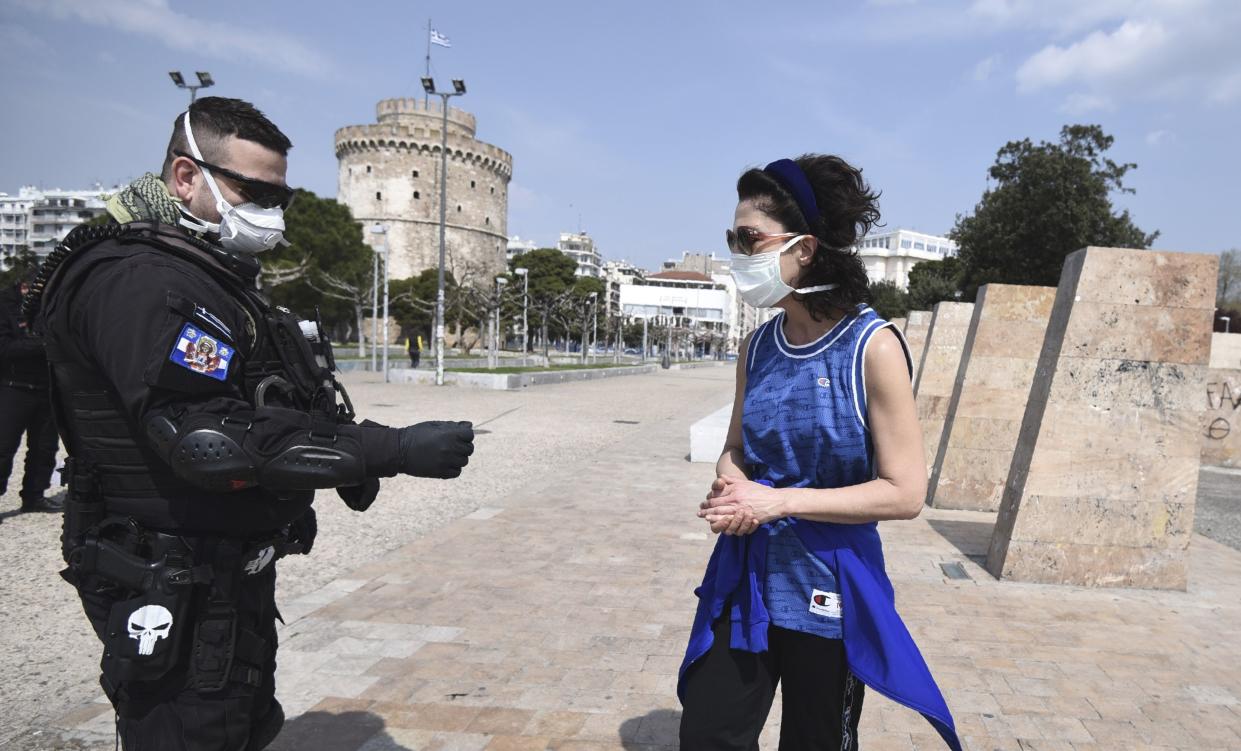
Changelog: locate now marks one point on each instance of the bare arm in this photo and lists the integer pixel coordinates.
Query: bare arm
(732, 461)
(898, 490)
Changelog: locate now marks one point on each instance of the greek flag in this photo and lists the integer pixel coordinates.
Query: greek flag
(440, 39)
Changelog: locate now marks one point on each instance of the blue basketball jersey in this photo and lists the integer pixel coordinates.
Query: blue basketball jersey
(804, 426)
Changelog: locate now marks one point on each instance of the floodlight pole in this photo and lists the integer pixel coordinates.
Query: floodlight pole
(428, 86)
(382, 230)
(525, 304)
(204, 80)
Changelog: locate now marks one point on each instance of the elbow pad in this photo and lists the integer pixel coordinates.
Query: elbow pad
(307, 465)
(213, 453)
(208, 455)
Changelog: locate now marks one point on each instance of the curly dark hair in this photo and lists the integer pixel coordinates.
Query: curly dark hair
(214, 119)
(848, 208)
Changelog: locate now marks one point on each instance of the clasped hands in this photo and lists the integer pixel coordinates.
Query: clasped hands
(737, 506)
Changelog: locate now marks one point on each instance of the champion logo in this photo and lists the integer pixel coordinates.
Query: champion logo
(826, 604)
(825, 382)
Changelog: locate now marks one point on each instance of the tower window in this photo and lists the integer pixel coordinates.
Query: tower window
(458, 208)
(378, 196)
(417, 195)
(493, 190)
(415, 173)
(487, 220)
(368, 169)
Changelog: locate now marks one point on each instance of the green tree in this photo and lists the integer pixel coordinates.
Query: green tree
(15, 268)
(934, 281)
(888, 299)
(326, 265)
(551, 279)
(577, 315)
(412, 302)
(1050, 199)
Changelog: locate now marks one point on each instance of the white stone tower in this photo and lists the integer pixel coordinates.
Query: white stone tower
(389, 173)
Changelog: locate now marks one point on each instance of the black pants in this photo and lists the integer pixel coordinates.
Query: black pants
(27, 413)
(728, 694)
(166, 714)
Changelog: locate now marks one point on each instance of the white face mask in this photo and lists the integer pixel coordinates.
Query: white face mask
(758, 277)
(247, 228)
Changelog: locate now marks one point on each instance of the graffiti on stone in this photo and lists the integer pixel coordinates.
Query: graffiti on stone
(1221, 396)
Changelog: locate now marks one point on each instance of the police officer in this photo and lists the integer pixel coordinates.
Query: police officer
(24, 405)
(200, 420)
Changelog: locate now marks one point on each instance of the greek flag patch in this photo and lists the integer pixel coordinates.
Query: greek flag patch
(200, 353)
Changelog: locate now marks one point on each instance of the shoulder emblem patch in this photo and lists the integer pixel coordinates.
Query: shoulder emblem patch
(202, 354)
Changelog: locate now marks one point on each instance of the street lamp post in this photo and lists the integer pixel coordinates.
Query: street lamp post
(1227, 320)
(495, 322)
(428, 85)
(204, 80)
(594, 322)
(374, 310)
(382, 231)
(524, 273)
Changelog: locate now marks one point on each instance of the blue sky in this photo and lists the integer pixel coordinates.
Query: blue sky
(639, 116)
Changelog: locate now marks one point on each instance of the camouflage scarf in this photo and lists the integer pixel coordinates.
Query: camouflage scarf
(145, 200)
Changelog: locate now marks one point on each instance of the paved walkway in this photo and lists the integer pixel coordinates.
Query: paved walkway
(555, 617)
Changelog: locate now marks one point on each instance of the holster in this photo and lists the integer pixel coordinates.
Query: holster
(167, 623)
(84, 510)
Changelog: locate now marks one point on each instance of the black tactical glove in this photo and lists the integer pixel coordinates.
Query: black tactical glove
(359, 497)
(303, 529)
(435, 449)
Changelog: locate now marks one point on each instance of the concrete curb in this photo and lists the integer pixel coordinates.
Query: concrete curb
(518, 381)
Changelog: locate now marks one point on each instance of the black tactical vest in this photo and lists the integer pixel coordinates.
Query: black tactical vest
(280, 369)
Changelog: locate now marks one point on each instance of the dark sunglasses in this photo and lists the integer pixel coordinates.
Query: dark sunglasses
(260, 192)
(745, 238)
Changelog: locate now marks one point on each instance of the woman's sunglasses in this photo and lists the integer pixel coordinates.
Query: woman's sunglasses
(260, 192)
(745, 238)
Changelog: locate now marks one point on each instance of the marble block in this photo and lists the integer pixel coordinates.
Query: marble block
(1221, 424)
(916, 325)
(941, 359)
(989, 397)
(1102, 485)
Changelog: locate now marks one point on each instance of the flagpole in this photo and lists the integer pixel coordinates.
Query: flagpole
(424, 94)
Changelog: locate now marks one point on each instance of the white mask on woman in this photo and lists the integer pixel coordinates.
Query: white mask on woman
(758, 277)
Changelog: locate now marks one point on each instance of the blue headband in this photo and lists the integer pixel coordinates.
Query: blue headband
(790, 176)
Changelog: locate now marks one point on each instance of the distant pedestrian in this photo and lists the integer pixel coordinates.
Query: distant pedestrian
(824, 442)
(413, 345)
(25, 405)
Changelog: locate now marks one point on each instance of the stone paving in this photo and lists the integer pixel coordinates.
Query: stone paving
(554, 617)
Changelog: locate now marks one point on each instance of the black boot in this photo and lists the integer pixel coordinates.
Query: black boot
(43, 505)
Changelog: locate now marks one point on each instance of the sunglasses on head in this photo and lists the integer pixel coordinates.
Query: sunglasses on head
(260, 192)
(745, 238)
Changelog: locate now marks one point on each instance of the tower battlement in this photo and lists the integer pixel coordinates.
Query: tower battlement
(389, 173)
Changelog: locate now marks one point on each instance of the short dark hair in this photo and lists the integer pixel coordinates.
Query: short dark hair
(848, 209)
(214, 119)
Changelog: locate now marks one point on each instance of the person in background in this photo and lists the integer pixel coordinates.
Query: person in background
(25, 405)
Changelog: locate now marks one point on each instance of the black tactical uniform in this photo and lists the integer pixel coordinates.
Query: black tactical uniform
(199, 421)
(24, 405)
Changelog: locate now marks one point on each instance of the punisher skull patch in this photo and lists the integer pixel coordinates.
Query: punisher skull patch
(149, 624)
(202, 354)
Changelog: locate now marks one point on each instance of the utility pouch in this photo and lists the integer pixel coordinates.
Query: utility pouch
(145, 637)
(215, 642)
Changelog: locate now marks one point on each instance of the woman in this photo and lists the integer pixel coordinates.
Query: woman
(824, 442)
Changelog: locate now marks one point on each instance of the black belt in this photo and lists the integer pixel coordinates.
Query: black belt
(23, 386)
